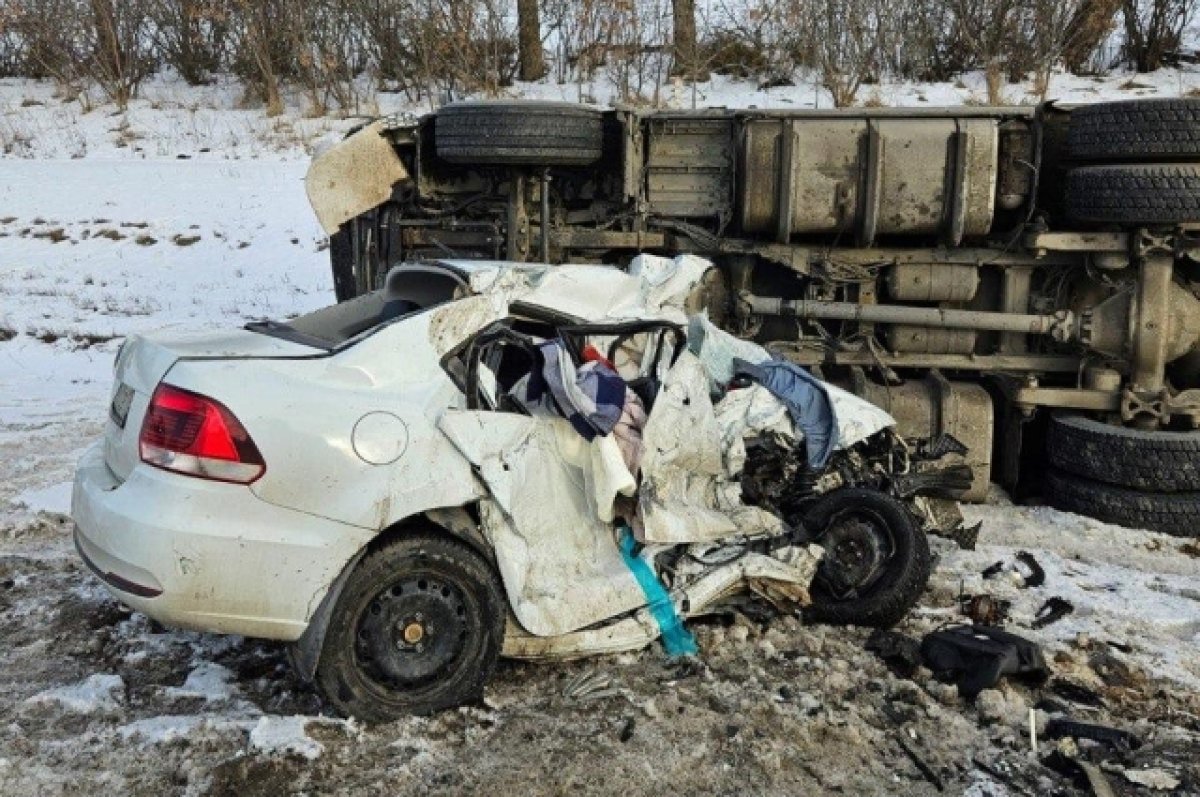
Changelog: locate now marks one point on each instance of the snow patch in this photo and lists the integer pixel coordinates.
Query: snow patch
(167, 728)
(285, 735)
(55, 498)
(99, 692)
(208, 681)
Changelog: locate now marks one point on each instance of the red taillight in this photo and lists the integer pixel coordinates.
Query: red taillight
(193, 434)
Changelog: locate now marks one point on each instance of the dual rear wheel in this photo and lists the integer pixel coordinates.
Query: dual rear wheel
(1131, 477)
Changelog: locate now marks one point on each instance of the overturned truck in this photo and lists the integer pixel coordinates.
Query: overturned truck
(1023, 279)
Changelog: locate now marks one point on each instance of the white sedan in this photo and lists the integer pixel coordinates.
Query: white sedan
(380, 483)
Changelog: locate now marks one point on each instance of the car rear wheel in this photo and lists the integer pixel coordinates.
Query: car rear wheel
(876, 561)
(418, 628)
(1171, 513)
(529, 133)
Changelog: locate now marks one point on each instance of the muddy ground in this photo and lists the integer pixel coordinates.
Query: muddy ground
(95, 699)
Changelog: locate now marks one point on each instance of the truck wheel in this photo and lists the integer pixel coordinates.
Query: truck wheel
(1149, 194)
(530, 133)
(876, 561)
(1170, 513)
(417, 628)
(1155, 130)
(341, 261)
(1160, 461)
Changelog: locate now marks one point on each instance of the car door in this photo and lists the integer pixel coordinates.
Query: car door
(547, 489)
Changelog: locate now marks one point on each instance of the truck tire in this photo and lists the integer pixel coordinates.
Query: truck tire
(341, 261)
(1170, 513)
(417, 628)
(1158, 461)
(1148, 194)
(1136, 130)
(530, 133)
(885, 600)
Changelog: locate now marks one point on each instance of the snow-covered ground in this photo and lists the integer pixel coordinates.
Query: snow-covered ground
(190, 211)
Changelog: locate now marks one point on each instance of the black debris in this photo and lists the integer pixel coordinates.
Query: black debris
(1119, 740)
(901, 653)
(977, 657)
(965, 536)
(1052, 611)
(993, 570)
(940, 446)
(1037, 576)
(925, 769)
(627, 730)
(1076, 693)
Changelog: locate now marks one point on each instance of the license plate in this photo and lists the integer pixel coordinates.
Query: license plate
(119, 409)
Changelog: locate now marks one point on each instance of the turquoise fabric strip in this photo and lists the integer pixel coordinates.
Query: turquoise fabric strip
(677, 640)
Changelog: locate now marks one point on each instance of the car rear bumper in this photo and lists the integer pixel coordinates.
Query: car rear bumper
(206, 555)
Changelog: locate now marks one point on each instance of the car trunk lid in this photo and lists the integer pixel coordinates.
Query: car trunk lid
(144, 360)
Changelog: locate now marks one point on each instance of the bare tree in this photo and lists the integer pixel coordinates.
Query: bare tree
(529, 40)
(259, 47)
(1090, 26)
(687, 59)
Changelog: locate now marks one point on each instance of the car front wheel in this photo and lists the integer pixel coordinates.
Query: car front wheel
(418, 628)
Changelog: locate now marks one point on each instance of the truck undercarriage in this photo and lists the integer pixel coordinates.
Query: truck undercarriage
(1024, 279)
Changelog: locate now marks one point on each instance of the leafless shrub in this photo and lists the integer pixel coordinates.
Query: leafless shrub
(122, 53)
(192, 36)
(1154, 29)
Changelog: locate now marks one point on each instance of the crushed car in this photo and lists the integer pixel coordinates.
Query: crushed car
(487, 459)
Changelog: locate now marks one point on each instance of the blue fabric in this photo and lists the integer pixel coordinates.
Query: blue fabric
(677, 640)
(806, 399)
(591, 397)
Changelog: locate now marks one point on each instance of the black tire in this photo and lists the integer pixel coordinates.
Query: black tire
(341, 261)
(1170, 513)
(1152, 194)
(1136, 130)
(529, 133)
(371, 669)
(899, 581)
(1158, 461)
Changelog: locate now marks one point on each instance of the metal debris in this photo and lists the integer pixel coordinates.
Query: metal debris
(590, 685)
(1037, 576)
(1052, 611)
(985, 609)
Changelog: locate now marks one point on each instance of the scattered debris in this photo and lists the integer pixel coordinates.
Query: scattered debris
(1037, 576)
(992, 570)
(1095, 778)
(1152, 778)
(590, 685)
(921, 764)
(984, 609)
(977, 657)
(901, 653)
(1117, 739)
(1076, 693)
(1052, 611)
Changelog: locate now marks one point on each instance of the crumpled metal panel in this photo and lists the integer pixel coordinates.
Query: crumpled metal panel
(353, 177)
(558, 559)
(687, 494)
